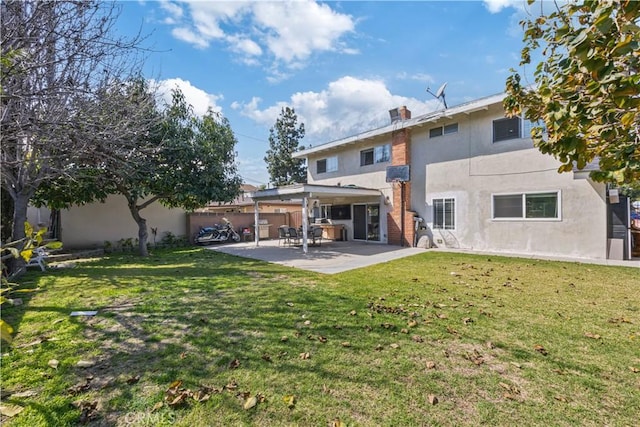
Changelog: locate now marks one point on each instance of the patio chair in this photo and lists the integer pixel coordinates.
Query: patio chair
(283, 234)
(317, 235)
(38, 259)
(294, 236)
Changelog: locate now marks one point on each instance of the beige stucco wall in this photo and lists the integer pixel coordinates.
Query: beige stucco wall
(90, 225)
(351, 173)
(470, 168)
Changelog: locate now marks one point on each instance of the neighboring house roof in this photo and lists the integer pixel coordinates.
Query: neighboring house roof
(244, 199)
(466, 108)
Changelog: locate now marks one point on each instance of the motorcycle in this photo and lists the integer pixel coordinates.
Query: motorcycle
(220, 233)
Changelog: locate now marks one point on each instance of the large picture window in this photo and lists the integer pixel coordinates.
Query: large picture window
(527, 206)
(444, 214)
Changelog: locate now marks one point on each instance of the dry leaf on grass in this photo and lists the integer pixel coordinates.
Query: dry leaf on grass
(345, 344)
(157, 406)
(305, 356)
(290, 401)
(26, 393)
(10, 410)
(250, 403)
(540, 349)
(88, 410)
(431, 364)
(353, 313)
(266, 357)
(433, 400)
(593, 336)
(634, 369)
(133, 380)
(394, 346)
(417, 338)
(53, 363)
(337, 423)
(234, 364)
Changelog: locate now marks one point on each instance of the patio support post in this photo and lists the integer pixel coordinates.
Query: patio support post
(305, 219)
(256, 217)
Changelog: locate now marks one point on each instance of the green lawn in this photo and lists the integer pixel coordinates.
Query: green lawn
(193, 337)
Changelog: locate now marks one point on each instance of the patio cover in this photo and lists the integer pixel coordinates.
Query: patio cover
(304, 192)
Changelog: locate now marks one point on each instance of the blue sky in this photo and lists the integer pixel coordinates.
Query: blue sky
(340, 65)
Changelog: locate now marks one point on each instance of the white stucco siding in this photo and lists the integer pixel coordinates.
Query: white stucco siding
(579, 232)
(470, 168)
(91, 225)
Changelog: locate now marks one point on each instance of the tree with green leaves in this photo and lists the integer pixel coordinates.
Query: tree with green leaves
(587, 88)
(284, 140)
(185, 161)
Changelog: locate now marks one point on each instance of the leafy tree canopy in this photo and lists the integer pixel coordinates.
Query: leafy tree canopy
(284, 139)
(587, 88)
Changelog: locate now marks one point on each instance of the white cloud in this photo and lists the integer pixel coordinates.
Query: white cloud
(495, 6)
(421, 77)
(198, 98)
(282, 32)
(346, 107)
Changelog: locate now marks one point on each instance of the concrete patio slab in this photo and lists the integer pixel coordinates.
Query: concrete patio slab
(329, 258)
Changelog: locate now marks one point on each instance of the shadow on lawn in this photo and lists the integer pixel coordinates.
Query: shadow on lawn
(193, 318)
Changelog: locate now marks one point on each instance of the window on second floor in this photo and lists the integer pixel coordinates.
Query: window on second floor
(330, 164)
(507, 128)
(379, 154)
(443, 130)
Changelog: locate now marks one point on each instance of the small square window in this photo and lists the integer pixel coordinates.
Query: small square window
(366, 157)
(434, 132)
(452, 128)
(321, 166)
(505, 129)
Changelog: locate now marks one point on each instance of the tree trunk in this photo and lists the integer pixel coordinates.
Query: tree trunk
(143, 235)
(16, 266)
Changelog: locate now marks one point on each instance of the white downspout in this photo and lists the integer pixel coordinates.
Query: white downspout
(305, 219)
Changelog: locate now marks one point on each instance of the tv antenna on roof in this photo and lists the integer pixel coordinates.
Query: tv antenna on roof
(440, 94)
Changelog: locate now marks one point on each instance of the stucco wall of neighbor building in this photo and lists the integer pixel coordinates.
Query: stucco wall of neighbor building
(89, 226)
(470, 168)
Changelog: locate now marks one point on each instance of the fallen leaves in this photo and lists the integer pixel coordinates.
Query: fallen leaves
(88, 410)
(10, 410)
(290, 401)
(305, 355)
(433, 400)
(592, 336)
(540, 349)
(53, 363)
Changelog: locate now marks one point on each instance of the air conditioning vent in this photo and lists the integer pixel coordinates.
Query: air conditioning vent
(394, 114)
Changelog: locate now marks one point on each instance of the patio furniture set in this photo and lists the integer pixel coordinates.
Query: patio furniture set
(293, 236)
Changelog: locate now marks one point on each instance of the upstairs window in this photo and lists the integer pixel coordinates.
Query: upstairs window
(443, 130)
(379, 154)
(330, 164)
(507, 128)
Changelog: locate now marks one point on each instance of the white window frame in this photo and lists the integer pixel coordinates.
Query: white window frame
(444, 218)
(379, 154)
(524, 195)
(442, 130)
(525, 127)
(331, 164)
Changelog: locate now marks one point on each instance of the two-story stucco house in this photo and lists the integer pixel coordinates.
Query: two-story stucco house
(475, 181)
